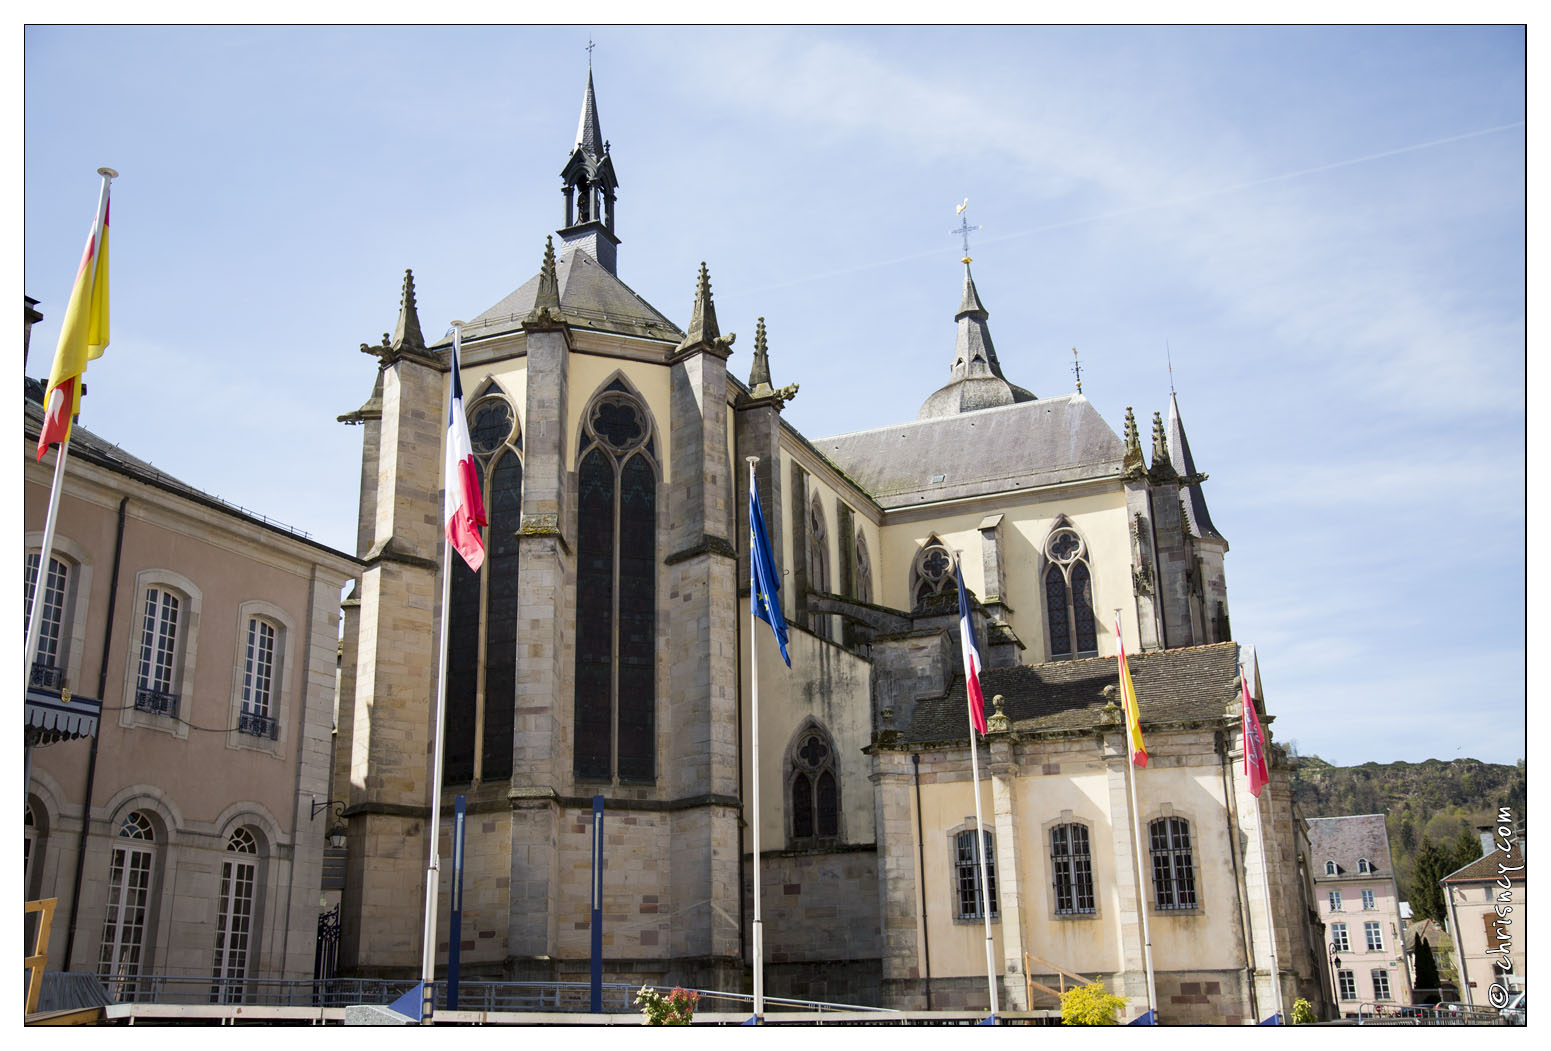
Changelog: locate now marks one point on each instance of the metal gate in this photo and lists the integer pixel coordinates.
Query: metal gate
(325, 960)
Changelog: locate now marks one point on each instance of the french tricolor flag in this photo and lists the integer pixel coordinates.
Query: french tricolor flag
(977, 703)
(463, 504)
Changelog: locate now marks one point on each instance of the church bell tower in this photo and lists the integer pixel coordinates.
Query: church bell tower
(588, 183)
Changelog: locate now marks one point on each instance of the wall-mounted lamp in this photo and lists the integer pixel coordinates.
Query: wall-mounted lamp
(336, 832)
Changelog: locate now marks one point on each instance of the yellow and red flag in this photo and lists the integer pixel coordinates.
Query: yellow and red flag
(1128, 699)
(84, 333)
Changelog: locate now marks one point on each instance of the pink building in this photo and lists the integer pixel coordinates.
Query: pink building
(1356, 895)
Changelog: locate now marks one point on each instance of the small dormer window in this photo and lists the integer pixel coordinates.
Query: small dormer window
(1363, 865)
(1330, 868)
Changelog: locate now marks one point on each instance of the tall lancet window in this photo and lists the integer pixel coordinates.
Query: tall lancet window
(818, 564)
(863, 570)
(932, 573)
(1069, 593)
(616, 591)
(482, 613)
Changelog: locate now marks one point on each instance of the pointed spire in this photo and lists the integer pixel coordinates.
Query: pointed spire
(759, 375)
(977, 381)
(702, 320)
(1162, 466)
(1196, 515)
(589, 133)
(548, 294)
(406, 334)
(546, 301)
(970, 303)
(1132, 464)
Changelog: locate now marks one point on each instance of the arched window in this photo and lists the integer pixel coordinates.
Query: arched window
(1363, 866)
(863, 570)
(813, 788)
(482, 610)
(129, 905)
(1330, 868)
(931, 575)
(1072, 863)
(48, 667)
(818, 564)
(258, 680)
(1173, 868)
(1069, 593)
(968, 901)
(616, 591)
(234, 923)
(31, 845)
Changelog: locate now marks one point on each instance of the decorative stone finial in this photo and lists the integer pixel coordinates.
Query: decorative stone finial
(759, 375)
(1133, 463)
(546, 301)
(1162, 466)
(703, 329)
(998, 723)
(406, 334)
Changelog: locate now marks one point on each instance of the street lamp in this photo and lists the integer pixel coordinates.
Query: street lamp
(337, 831)
(1335, 983)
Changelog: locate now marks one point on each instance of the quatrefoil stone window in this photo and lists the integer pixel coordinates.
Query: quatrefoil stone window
(618, 424)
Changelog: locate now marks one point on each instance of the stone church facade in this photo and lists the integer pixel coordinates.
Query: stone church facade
(605, 650)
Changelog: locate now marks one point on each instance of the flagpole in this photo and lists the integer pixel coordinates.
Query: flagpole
(759, 928)
(1136, 847)
(980, 854)
(1265, 863)
(35, 615)
(62, 453)
(433, 860)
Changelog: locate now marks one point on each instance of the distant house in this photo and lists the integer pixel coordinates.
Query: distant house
(1355, 891)
(1486, 911)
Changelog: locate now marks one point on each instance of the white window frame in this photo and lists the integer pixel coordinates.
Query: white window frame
(78, 589)
(1379, 977)
(1368, 903)
(280, 689)
(1330, 868)
(1335, 901)
(127, 920)
(1373, 935)
(235, 927)
(1346, 982)
(185, 652)
(1339, 937)
(1364, 867)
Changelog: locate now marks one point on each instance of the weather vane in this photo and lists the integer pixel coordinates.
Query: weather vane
(964, 228)
(1077, 369)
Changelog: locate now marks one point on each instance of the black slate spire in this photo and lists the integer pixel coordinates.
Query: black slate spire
(589, 184)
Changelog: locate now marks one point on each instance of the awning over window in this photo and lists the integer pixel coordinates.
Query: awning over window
(50, 718)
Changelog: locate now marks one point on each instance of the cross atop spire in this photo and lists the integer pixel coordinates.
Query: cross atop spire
(1077, 369)
(964, 229)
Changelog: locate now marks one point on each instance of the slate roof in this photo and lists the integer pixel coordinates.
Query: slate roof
(87, 445)
(1179, 685)
(1345, 840)
(590, 298)
(1485, 868)
(1026, 445)
(1196, 515)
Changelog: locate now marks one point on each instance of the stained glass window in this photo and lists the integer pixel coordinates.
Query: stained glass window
(616, 593)
(1069, 593)
(932, 574)
(814, 788)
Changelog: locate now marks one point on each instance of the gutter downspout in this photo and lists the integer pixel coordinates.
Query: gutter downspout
(926, 934)
(1221, 743)
(91, 761)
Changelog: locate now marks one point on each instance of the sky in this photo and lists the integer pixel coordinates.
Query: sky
(1323, 229)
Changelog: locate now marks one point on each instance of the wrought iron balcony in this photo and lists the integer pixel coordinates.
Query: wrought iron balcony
(156, 702)
(46, 677)
(258, 725)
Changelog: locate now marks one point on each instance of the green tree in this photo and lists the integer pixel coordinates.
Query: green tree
(1091, 1004)
(1467, 848)
(1432, 864)
(1426, 973)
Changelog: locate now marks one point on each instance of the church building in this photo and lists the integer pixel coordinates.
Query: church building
(604, 649)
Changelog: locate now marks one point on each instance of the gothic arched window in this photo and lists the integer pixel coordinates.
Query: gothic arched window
(813, 788)
(482, 611)
(931, 575)
(818, 564)
(616, 591)
(863, 570)
(1069, 593)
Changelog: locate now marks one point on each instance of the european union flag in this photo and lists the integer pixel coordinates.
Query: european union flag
(764, 579)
